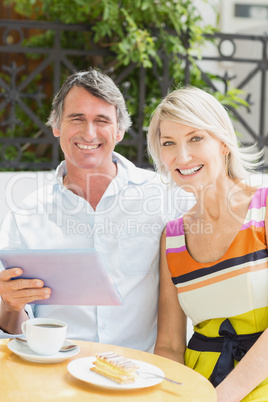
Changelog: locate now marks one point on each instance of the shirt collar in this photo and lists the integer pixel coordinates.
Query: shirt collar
(61, 171)
(127, 171)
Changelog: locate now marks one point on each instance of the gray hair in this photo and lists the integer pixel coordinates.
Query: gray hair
(198, 109)
(99, 85)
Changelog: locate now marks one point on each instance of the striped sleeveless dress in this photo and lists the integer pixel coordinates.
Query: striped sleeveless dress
(233, 287)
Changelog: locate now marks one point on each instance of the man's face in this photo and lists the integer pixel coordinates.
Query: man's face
(88, 131)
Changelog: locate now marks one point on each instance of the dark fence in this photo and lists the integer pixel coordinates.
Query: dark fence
(26, 83)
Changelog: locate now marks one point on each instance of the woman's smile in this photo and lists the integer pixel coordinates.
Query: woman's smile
(189, 171)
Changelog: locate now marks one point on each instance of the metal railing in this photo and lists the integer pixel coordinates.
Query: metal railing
(23, 81)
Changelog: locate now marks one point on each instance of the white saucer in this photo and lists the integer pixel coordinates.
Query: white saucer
(80, 369)
(21, 349)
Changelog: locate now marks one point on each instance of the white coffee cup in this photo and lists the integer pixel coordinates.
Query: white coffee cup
(45, 336)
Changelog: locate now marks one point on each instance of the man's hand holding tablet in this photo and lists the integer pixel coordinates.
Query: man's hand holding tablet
(16, 293)
(69, 277)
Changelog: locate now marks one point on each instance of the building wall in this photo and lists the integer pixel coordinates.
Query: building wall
(15, 186)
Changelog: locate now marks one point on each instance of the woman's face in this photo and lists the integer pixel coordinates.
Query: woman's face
(194, 157)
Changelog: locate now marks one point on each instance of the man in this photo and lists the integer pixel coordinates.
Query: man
(98, 200)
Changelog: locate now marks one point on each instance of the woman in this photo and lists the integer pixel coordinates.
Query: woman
(214, 263)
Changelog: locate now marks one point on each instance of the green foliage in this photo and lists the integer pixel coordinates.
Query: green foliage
(135, 30)
(231, 98)
(25, 127)
(138, 32)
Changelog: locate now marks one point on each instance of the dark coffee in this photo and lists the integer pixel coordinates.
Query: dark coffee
(48, 325)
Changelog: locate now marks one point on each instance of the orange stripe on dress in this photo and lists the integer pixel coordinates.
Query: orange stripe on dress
(219, 278)
(247, 241)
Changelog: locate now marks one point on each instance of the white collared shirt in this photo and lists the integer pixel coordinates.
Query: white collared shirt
(125, 228)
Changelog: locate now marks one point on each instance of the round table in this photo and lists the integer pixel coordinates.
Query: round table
(21, 380)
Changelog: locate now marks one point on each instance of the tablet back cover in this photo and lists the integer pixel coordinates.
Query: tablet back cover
(76, 277)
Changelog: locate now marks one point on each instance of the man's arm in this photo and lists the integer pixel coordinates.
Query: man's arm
(15, 294)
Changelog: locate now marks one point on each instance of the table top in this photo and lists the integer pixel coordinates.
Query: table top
(21, 380)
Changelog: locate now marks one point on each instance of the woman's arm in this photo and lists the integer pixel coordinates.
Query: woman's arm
(248, 373)
(252, 369)
(171, 334)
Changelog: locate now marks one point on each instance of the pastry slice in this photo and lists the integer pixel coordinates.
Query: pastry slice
(115, 367)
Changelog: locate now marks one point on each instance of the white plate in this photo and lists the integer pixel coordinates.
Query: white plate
(21, 349)
(80, 369)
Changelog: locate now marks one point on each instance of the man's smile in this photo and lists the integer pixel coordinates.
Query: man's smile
(89, 147)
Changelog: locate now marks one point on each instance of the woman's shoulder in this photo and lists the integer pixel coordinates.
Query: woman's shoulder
(259, 199)
(175, 227)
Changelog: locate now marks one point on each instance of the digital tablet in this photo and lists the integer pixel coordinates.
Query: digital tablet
(76, 277)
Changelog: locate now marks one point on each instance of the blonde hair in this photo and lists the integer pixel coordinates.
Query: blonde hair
(198, 109)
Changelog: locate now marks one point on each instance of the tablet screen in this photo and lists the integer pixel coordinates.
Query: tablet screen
(76, 277)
